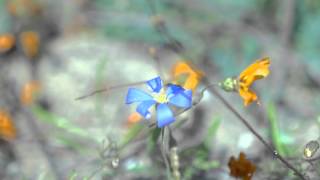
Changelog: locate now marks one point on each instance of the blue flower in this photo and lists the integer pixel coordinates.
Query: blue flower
(162, 98)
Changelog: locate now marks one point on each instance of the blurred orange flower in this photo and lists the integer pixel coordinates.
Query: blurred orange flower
(7, 128)
(23, 8)
(241, 168)
(7, 41)
(30, 42)
(133, 119)
(28, 92)
(186, 76)
(257, 70)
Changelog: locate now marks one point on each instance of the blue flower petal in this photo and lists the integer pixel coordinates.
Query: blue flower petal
(143, 108)
(164, 115)
(137, 95)
(182, 99)
(155, 84)
(173, 90)
(188, 93)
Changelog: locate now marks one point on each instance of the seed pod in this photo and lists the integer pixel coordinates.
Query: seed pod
(174, 161)
(229, 84)
(310, 149)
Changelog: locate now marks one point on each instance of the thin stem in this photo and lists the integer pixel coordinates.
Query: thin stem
(245, 122)
(156, 59)
(109, 89)
(95, 172)
(163, 153)
(312, 159)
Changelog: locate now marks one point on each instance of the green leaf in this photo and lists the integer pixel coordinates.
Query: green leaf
(42, 176)
(275, 131)
(153, 139)
(132, 133)
(60, 122)
(212, 130)
(71, 143)
(73, 176)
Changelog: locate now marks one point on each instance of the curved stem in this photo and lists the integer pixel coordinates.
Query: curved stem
(245, 122)
(164, 154)
(109, 89)
(312, 159)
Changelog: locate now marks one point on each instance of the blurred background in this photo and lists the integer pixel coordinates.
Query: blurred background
(52, 52)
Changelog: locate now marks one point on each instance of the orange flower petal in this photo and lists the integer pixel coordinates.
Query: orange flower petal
(7, 128)
(247, 95)
(257, 70)
(28, 91)
(193, 76)
(30, 42)
(7, 41)
(134, 117)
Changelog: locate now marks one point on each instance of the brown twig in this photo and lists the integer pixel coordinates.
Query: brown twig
(312, 159)
(109, 89)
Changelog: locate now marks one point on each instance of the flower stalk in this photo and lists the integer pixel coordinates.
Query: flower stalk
(245, 122)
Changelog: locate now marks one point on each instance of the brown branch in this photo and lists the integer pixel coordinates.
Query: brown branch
(106, 89)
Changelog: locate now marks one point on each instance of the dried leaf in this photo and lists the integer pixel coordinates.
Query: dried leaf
(241, 167)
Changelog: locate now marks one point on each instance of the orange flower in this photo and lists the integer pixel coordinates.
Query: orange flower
(241, 168)
(7, 41)
(186, 76)
(22, 8)
(257, 70)
(7, 129)
(30, 41)
(133, 119)
(28, 91)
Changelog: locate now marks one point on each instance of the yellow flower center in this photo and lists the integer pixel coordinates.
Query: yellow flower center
(161, 97)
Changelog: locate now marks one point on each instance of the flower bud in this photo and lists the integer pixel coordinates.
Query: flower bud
(229, 84)
(310, 149)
